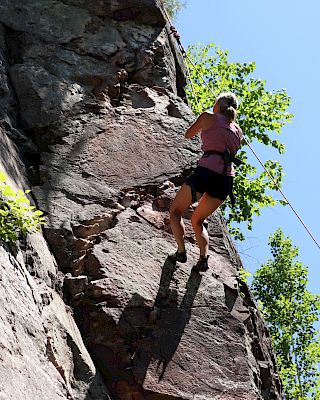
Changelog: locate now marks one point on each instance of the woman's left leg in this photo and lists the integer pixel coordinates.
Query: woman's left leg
(206, 207)
(181, 203)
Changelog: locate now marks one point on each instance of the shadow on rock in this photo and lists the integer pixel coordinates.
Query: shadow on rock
(169, 326)
(159, 338)
(144, 340)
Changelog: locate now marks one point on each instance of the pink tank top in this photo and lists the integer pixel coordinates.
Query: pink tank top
(220, 136)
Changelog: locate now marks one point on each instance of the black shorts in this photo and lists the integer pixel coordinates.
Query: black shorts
(204, 180)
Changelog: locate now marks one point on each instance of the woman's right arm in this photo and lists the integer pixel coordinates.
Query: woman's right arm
(197, 126)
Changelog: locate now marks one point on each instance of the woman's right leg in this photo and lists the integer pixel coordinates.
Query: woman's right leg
(182, 202)
(206, 207)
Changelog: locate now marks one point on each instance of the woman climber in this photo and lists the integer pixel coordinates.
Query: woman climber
(212, 180)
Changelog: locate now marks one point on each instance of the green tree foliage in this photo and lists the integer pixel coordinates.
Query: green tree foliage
(16, 214)
(290, 311)
(261, 114)
(173, 7)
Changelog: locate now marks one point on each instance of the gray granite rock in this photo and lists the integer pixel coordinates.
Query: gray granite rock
(42, 351)
(47, 97)
(51, 20)
(92, 94)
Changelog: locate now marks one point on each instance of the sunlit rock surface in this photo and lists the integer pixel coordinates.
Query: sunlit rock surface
(92, 116)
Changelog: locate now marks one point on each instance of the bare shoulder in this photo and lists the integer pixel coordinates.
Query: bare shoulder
(207, 118)
(207, 115)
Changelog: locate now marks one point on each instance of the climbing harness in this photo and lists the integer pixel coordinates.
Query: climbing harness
(227, 158)
(175, 34)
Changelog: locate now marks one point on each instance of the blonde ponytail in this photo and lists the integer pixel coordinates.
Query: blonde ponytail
(228, 104)
(230, 113)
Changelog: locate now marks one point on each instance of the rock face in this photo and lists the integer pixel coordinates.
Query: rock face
(92, 100)
(42, 352)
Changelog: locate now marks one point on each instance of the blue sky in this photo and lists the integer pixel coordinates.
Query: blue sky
(282, 37)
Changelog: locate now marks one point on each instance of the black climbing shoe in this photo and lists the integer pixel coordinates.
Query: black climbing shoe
(202, 264)
(154, 315)
(179, 256)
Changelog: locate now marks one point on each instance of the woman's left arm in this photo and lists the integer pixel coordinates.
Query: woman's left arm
(196, 127)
